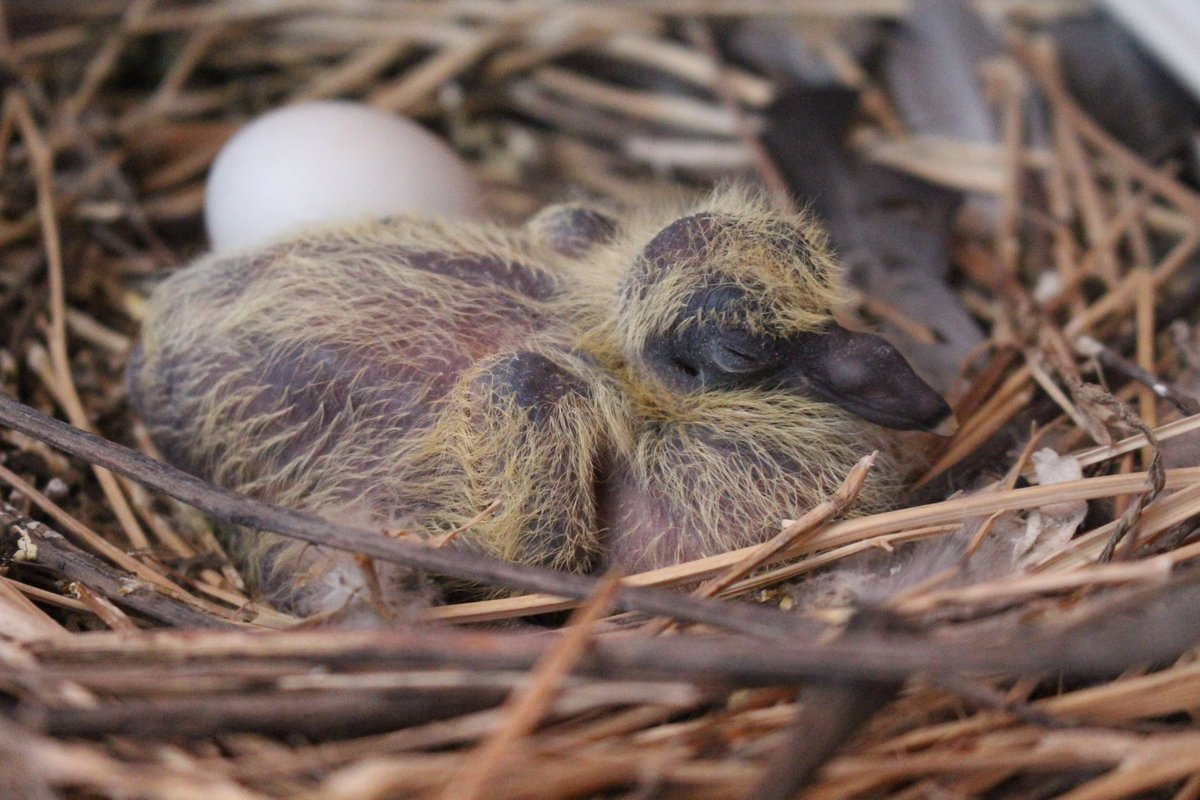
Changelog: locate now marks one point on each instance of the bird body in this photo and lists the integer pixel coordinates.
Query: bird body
(614, 393)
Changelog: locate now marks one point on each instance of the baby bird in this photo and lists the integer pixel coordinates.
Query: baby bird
(615, 393)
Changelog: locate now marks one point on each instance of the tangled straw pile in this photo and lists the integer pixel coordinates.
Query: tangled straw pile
(1074, 676)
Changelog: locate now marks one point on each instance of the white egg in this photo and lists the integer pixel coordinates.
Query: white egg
(327, 162)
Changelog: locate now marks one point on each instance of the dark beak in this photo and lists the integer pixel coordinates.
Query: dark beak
(868, 377)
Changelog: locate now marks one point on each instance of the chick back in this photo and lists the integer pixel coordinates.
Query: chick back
(305, 373)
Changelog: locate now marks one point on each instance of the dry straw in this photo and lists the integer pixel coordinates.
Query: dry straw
(133, 663)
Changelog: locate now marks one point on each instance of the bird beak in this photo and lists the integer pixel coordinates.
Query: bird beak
(866, 376)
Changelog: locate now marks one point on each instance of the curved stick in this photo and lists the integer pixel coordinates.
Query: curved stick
(229, 506)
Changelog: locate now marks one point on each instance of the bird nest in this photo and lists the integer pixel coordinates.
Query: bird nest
(134, 663)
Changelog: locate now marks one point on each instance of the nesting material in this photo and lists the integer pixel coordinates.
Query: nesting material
(1046, 646)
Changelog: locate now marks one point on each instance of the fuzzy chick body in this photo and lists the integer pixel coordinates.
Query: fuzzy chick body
(623, 391)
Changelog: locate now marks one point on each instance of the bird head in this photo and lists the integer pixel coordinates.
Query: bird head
(730, 299)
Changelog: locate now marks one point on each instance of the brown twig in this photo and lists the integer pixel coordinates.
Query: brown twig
(815, 517)
(60, 557)
(1092, 348)
(831, 713)
(238, 509)
(529, 704)
(699, 33)
(43, 167)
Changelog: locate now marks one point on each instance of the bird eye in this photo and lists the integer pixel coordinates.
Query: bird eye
(708, 356)
(714, 345)
(739, 352)
(733, 359)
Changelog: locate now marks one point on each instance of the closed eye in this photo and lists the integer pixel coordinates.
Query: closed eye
(730, 354)
(735, 356)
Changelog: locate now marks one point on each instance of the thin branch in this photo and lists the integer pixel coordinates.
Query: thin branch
(43, 168)
(831, 713)
(529, 703)
(48, 549)
(237, 509)
(1087, 346)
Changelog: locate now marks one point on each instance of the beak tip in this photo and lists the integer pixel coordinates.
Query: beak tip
(947, 427)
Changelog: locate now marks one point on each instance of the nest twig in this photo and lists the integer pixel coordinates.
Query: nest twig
(133, 662)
